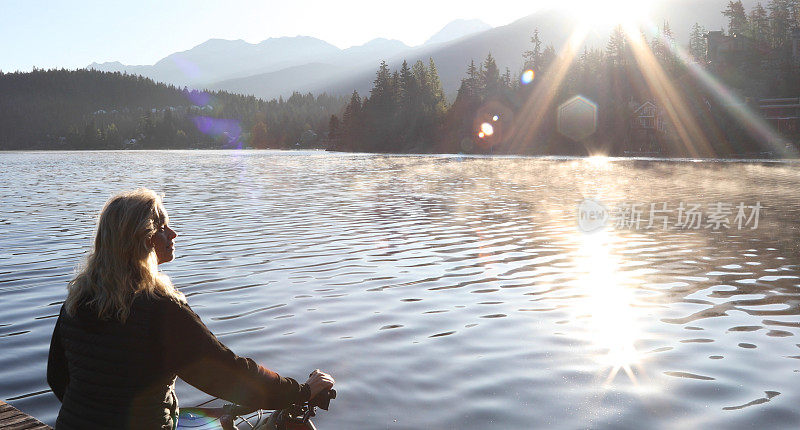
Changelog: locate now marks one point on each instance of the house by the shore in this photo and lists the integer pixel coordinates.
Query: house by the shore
(783, 114)
(649, 129)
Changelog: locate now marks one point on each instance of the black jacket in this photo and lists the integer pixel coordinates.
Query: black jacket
(116, 375)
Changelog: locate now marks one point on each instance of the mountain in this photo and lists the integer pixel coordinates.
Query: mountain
(116, 66)
(458, 29)
(375, 48)
(280, 66)
(279, 83)
(217, 59)
(506, 43)
(300, 77)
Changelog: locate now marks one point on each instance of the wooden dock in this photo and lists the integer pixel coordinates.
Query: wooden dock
(12, 418)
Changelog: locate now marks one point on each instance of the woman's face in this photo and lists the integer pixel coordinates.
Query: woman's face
(162, 243)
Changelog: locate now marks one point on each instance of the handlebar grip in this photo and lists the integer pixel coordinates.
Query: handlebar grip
(323, 399)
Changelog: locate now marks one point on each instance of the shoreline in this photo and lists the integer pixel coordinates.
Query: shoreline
(730, 159)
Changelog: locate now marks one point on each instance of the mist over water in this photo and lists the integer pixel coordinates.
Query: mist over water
(442, 292)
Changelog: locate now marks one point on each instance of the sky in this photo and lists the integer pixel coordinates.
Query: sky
(73, 34)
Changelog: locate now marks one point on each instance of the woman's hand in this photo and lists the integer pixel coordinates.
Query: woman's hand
(319, 381)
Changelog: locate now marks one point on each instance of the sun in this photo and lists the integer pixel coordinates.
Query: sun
(609, 13)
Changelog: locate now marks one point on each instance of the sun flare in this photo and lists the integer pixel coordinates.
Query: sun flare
(608, 13)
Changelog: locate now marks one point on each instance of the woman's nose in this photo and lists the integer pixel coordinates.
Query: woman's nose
(172, 233)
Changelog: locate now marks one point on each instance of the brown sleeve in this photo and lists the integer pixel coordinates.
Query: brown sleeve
(200, 359)
(57, 371)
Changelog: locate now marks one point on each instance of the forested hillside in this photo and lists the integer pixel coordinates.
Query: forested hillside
(87, 109)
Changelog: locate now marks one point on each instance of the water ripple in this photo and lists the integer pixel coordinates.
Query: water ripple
(428, 267)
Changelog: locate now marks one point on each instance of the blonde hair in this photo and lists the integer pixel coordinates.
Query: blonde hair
(122, 263)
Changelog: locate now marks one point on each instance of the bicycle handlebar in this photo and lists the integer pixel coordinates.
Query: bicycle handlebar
(299, 413)
(323, 399)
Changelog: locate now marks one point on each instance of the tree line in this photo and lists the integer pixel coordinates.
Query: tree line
(402, 112)
(88, 109)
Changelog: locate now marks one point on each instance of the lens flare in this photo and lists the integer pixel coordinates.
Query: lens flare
(527, 77)
(577, 118)
(495, 118)
(198, 98)
(196, 418)
(187, 67)
(481, 135)
(228, 130)
(487, 129)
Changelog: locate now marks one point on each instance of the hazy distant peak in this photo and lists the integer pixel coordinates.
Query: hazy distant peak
(112, 66)
(291, 39)
(293, 46)
(104, 66)
(214, 44)
(381, 42)
(458, 29)
(374, 49)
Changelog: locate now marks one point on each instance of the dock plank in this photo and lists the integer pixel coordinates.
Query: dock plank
(12, 418)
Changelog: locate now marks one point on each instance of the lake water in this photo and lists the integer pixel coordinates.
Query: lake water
(445, 292)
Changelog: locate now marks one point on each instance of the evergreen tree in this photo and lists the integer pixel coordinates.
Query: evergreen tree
(258, 135)
(458, 119)
(759, 24)
(351, 120)
(616, 47)
(381, 92)
(532, 58)
(472, 84)
(379, 122)
(697, 42)
(436, 94)
(737, 18)
(666, 48)
(490, 78)
(422, 87)
(782, 19)
(669, 38)
(548, 57)
(112, 138)
(420, 75)
(394, 84)
(407, 87)
(657, 45)
(333, 127)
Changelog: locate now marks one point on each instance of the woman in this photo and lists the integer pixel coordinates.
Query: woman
(125, 333)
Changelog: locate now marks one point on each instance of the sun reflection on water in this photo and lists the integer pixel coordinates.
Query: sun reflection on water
(598, 161)
(608, 303)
